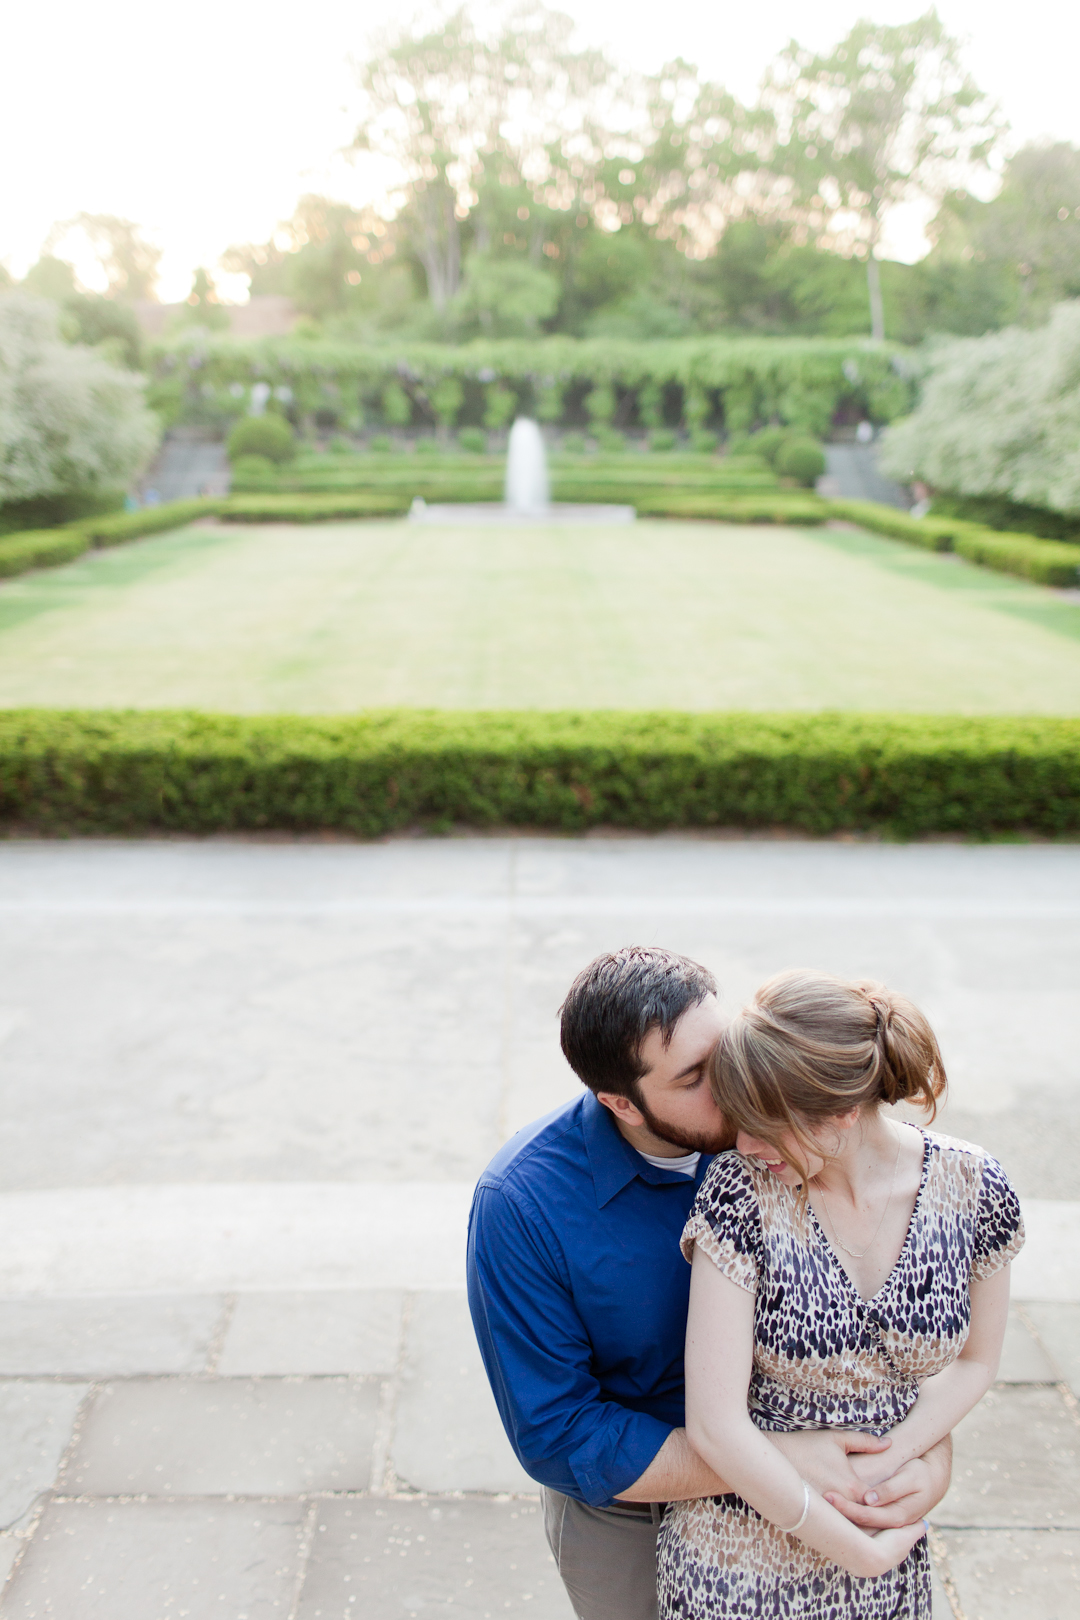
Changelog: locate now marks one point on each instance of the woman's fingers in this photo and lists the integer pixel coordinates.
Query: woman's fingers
(890, 1516)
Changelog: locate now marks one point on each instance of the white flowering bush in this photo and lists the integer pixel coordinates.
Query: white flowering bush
(70, 420)
(999, 415)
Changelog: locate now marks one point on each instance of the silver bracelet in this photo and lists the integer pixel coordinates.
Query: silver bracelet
(801, 1520)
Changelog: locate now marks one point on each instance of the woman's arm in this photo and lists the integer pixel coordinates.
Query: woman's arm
(719, 1360)
(950, 1395)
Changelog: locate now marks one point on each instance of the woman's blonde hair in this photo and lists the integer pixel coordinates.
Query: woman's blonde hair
(809, 1047)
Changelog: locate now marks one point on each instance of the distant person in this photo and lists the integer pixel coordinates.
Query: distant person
(579, 1294)
(151, 498)
(850, 1271)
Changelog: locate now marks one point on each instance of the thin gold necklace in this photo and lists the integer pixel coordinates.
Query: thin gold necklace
(836, 1236)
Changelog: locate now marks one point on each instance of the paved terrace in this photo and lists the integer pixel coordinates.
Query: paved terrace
(246, 1089)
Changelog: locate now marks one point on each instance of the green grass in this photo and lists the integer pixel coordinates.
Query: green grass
(697, 616)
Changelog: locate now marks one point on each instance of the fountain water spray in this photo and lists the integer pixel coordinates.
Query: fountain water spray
(527, 490)
(527, 496)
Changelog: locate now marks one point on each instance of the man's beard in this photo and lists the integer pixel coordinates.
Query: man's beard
(689, 1141)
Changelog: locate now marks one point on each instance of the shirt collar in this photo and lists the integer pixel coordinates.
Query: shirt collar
(614, 1163)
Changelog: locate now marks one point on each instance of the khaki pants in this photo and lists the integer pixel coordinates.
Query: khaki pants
(606, 1556)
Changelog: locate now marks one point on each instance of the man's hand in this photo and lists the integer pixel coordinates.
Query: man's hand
(908, 1495)
(825, 1458)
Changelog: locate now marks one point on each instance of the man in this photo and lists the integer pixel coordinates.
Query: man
(579, 1294)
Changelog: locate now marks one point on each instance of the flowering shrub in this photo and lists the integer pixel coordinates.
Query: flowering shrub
(999, 416)
(70, 420)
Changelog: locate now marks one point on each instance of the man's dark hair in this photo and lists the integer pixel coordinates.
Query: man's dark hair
(614, 1003)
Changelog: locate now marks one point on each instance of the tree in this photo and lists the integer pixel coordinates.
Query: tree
(326, 258)
(887, 116)
(129, 261)
(454, 106)
(71, 422)
(1030, 231)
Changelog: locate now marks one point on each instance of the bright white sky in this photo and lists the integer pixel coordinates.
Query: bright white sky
(205, 122)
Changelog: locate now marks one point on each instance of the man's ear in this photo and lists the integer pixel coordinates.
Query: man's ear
(623, 1109)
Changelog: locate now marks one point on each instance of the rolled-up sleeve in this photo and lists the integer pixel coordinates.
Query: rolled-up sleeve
(538, 1357)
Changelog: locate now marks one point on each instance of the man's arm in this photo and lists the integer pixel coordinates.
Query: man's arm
(822, 1456)
(539, 1358)
(678, 1474)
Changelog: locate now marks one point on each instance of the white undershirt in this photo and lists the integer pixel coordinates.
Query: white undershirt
(686, 1165)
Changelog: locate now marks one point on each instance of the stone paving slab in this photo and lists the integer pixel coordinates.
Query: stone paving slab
(159, 1561)
(1058, 1326)
(1023, 1358)
(1015, 1574)
(448, 1433)
(1016, 1463)
(36, 1423)
(107, 1338)
(243, 1437)
(470, 1560)
(356, 1332)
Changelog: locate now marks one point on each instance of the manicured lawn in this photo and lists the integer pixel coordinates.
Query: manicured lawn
(659, 615)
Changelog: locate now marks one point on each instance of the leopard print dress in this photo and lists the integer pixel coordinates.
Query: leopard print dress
(826, 1358)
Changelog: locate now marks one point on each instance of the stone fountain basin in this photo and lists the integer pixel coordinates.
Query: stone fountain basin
(463, 514)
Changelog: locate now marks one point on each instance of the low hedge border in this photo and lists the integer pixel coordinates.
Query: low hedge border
(369, 774)
(39, 548)
(1044, 562)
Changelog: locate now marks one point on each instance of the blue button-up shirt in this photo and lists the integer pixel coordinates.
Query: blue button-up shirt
(579, 1295)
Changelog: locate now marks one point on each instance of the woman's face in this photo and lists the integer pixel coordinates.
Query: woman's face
(831, 1135)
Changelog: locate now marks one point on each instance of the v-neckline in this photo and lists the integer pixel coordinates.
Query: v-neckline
(863, 1299)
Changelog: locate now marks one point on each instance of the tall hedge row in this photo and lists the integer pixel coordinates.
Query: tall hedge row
(140, 772)
(692, 382)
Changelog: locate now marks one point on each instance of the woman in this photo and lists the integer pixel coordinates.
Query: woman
(849, 1270)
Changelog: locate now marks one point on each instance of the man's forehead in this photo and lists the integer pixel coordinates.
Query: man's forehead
(691, 1038)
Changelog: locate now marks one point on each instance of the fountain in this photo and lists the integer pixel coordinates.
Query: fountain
(527, 492)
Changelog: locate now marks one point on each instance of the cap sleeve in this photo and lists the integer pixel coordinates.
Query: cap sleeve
(999, 1226)
(725, 1222)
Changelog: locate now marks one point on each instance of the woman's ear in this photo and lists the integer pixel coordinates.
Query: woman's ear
(848, 1121)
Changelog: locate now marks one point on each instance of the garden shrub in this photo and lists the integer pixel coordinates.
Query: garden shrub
(474, 440)
(254, 470)
(429, 447)
(609, 440)
(380, 442)
(573, 444)
(311, 508)
(368, 774)
(268, 436)
(703, 443)
(933, 534)
(125, 526)
(994, 512)
(801, 459)
(1047, 562)
(729, 508)
(39, 548)
(72, 424)
(662, 439)
(999, 417)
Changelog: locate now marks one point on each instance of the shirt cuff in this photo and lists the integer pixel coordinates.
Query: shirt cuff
(616, 1455)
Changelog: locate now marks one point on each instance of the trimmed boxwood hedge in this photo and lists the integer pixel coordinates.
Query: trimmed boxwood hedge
(311, 508)
(1047, 562)
(39, 548)
(178, 770)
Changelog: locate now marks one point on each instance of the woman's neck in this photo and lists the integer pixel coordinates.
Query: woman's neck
(869, 1152)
